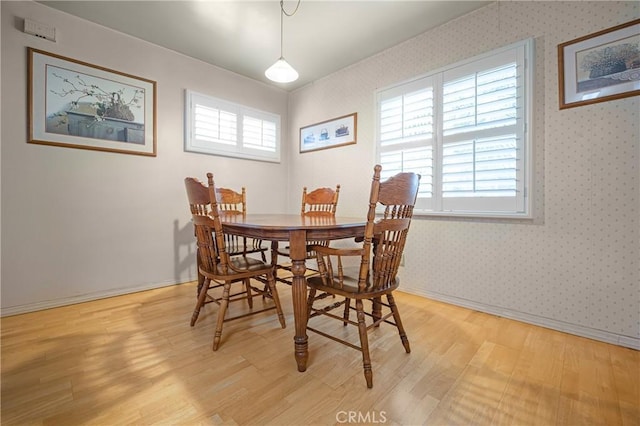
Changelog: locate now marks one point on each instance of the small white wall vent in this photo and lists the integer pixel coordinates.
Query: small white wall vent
(39, 30)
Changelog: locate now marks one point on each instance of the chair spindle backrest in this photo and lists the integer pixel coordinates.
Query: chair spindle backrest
(387, 235)
(208, 228)
(198, 196)
(320, 201)
(232, 202)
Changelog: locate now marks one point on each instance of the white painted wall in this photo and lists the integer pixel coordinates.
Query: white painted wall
(80, 224)
(575, 267)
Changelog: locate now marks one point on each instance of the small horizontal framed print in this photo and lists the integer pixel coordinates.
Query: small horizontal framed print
(601, 66)
(78, 105)
(329, 134)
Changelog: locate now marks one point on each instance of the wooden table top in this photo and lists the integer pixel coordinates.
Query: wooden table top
(279, 226)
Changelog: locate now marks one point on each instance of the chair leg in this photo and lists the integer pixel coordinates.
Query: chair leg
(398, 321)
(201, 297)
(347, 308)
(247, 284)
(200, 276)
(310, 299)
(274, 255)
(266, 291)
(262, 253)
(364, 343)
(271, 282)
(376, 309)
(224, 303)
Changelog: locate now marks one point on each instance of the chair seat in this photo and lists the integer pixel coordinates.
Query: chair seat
(240, 267)
(349, 286)
(240, 246)
(248, 263)
(286, 251)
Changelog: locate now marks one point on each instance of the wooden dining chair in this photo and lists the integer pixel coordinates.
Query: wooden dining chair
(319, 202)
(199, 204)
(231, 202)
(221, 271)
(368, 272)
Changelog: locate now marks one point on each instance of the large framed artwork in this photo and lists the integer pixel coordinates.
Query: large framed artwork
(601, 66)
(330, 133)
(79, 105)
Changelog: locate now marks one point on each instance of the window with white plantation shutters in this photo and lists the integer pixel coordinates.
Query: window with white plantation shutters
(406, 135)
(463, 129)
(218, 127)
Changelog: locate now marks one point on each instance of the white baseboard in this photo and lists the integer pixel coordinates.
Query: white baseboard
(575, 329)
(48, 304)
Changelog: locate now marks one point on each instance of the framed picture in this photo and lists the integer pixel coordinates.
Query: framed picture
(601, 66)
(329, 134)
(78, 105)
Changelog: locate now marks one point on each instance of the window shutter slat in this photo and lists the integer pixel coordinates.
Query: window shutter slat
(259, 134)
(480, 167)
(214, 125)
(490, 102)
(407, 116)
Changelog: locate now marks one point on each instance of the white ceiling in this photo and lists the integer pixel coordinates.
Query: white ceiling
(244, 36)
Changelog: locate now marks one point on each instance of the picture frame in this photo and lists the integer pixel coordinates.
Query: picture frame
(75, 104)
(327, 134)
(601, 66)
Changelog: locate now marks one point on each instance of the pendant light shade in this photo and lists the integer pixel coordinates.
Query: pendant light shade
(281, 71)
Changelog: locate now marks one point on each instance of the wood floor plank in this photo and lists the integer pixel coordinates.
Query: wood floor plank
(135, 359)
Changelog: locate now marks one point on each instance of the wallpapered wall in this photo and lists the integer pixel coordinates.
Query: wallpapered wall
(575, 266)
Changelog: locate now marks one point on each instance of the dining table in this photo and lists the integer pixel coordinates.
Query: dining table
(297, 229)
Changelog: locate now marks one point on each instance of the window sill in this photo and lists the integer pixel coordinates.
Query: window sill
(426, 214)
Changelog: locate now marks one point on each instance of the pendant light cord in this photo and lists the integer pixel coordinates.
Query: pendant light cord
(282, 13)
(285, 12)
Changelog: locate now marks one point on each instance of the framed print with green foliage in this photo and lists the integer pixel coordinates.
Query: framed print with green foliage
(79, 105)
(601, 66)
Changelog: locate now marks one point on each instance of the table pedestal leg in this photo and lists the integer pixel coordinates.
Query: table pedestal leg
(298, 253)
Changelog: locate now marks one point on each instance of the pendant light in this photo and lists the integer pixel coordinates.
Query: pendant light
(281, 71)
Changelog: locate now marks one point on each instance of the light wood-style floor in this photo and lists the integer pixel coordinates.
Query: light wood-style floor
(134, 360)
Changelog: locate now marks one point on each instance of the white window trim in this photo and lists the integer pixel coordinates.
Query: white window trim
(527, 208)
(237, 150)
